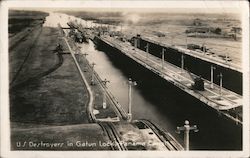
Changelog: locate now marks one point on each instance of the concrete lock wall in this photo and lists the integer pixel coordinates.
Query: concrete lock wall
(232, 79)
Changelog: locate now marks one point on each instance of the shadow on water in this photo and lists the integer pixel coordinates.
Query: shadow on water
(174, 106)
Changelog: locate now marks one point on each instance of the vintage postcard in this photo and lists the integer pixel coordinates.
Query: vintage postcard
(124, 79)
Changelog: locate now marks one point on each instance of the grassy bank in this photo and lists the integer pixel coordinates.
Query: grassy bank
(48, 89)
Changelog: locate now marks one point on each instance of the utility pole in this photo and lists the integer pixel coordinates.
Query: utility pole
(92, 75)
(186, 128)
(221, 77)
(162, 58)
(104, 103)
(212, 76)
(130, 84)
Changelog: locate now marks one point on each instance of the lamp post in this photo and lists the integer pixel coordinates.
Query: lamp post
(162, 58)
(221, 78)
(227, 56)
(135, 42)
(187, 128)
(85, 56)
(186, 42)
(121, 28)
(212, 76)
(147, 48)
(130, 84)
(172, 40)
(92, 75)
(77, 52)
(204, 48)
(104, 103)
(182, 62)
(79, 49)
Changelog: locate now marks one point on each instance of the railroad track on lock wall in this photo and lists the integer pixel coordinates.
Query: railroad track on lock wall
(166, 138)
(113, 135)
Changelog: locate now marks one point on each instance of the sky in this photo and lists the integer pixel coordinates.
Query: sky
(184, 6)
(139, 10)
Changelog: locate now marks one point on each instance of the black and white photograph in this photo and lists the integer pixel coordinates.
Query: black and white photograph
(150, 79)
